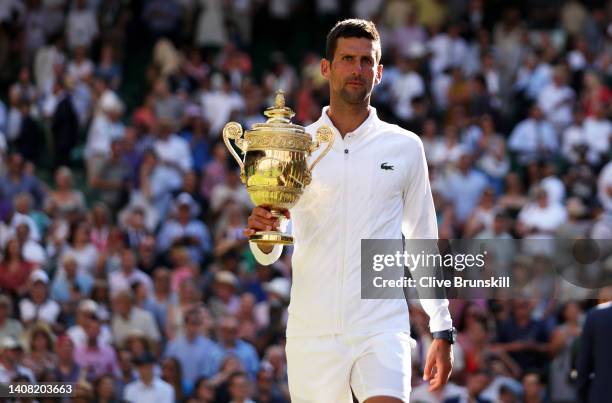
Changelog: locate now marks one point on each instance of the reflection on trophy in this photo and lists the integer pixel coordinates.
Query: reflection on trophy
(275, 162)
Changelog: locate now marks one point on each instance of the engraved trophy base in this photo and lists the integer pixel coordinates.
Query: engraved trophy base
(271, 238)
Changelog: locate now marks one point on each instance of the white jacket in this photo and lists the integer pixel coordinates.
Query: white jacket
(352, 198)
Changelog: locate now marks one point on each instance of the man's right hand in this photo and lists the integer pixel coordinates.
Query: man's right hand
(262, 220)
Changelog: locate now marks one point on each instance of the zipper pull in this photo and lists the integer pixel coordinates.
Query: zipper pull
(346, 152)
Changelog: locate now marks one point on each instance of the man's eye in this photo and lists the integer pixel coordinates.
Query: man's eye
(348, 58)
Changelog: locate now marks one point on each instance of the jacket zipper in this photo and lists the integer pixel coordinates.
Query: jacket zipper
(344, 237)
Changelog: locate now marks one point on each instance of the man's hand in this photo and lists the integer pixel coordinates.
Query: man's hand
(262, 220)
(439, 364)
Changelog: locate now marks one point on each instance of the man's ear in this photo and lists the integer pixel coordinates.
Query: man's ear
(325, 68)
(379, 72)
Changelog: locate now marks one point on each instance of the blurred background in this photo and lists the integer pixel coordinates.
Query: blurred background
(121, 213)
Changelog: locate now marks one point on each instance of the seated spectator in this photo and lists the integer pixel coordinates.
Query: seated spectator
(66, 368)
(9, 327)
(185, 230)
(14, 270)
(68, 278)
(40, 356)
(16, 181)
(11, 367)
(540, 218)
(95, 358)
(149, 387)
(112, 181)
(227, 332)
(124, 278)
(127, 318)
(39, 307)
(523, 338)
(197, 354)
(534, 138)
(104, 128)
(67, 199)
(105, 389)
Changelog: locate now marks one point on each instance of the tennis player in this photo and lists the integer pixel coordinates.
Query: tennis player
(372, 184)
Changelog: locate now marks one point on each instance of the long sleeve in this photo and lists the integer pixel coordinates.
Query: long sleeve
(419, 222)
(275, 253)
(585, 360)
(263, 258)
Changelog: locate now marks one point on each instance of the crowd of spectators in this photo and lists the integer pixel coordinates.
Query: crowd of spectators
(124, 268)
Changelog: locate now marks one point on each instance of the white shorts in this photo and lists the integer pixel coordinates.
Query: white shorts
(324, 369)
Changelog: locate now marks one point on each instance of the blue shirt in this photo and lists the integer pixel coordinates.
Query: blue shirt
(246, 354)
(200, 357)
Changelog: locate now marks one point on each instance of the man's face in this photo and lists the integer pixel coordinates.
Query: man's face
(354, 70)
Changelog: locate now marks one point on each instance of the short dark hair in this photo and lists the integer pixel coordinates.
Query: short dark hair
(351, 28)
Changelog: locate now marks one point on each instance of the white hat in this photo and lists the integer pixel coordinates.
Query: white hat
(109, 102)
(226, 277)
(185, 199)
(88, 305)
(9, 342)
(280, 286)
(39, 275)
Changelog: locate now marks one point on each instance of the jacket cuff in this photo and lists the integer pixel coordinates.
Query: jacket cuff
(266, 259)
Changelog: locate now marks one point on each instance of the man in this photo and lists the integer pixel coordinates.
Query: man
(198, 355)
(149, 387)
(372, 184)
(595, 353)
(94, 357)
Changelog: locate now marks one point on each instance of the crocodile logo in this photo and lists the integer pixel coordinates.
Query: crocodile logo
(385, 166)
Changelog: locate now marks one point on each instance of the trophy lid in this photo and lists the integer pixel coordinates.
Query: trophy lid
(279, 117)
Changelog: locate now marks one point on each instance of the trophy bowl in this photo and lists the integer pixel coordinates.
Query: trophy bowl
(274, 166)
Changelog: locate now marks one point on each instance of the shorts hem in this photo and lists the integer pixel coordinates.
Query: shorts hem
(403, 396)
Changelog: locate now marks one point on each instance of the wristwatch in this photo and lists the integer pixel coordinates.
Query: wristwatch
(449, 335)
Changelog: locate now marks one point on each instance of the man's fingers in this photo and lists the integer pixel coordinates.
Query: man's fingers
(440, 378)
(261, 212)
(429, 365)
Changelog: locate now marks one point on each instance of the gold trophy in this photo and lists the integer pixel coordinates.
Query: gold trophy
(274, 166)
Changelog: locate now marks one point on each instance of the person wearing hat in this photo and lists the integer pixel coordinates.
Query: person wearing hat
(149, 388)
(94, 357)
(225, 300)
(39, 307)
(10, 361)
(105, 127)
(185, 229)
(85, 310)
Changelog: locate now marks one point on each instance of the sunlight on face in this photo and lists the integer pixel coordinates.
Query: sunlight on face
(354, 70)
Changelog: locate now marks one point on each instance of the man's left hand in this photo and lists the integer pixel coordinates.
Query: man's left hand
(439, 364)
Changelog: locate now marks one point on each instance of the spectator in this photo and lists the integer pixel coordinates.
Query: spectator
(14, 270)
(533, 138)
(82, 26)
(113, 180)
(127, 318)
(9, 327)
(128, 275)
(149, 387)
(104, 389)
(66, 368)
(230, 344)
(185, 230)
(39, 307)
(95, 358)
(10, 363)
(198, 355)
(40, 357)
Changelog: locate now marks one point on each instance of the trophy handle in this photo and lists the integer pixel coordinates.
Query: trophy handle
(233, 131)
(324, 135)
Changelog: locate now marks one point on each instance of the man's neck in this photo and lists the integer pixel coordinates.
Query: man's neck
(346, 117)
